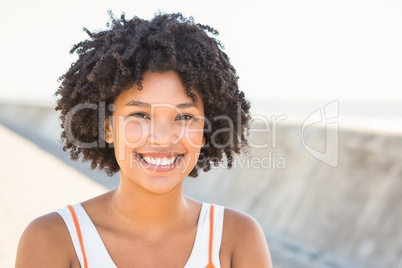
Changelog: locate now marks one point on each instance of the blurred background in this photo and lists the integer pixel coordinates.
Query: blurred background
(324, 80)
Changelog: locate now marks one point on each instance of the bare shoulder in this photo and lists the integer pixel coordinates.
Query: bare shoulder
(244, 237)
(45, 243)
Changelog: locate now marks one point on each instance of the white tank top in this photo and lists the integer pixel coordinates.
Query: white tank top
(98, 257)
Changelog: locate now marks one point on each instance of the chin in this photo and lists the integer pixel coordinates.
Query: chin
(161, 184)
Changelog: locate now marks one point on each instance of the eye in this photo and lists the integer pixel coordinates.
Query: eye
(140, 115)
(184, 117)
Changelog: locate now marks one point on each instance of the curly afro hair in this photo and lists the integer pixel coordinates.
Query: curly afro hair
(113, 60)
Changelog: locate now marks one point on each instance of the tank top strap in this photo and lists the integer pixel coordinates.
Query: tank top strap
(91, 251)
(202, 251)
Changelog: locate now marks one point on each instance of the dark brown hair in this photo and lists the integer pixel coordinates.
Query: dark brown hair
(112, 60)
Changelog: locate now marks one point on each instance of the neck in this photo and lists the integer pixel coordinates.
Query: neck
(140, 207)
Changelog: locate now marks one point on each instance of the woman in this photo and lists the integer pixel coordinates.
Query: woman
(147, 98)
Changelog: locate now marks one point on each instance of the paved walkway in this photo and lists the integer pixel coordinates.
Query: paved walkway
(35, 182)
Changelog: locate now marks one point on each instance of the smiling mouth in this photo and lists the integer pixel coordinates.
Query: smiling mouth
(159, 161)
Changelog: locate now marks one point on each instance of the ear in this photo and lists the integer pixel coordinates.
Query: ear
(203, 140)
(109, 137)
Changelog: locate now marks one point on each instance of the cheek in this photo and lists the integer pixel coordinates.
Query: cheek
(136, 132)
(133, 134)
(130, 136)
(195, 135)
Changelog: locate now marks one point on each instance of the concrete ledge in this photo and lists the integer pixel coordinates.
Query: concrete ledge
(33, 183)
(350, 211)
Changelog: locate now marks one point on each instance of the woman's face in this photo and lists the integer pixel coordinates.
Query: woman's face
(157, 132)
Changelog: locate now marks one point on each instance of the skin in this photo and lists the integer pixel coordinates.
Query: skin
(147, 221)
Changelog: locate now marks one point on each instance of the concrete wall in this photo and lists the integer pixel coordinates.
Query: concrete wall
(350, 211)
(347, 213)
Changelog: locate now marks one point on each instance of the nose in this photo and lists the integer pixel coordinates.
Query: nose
(163, 133)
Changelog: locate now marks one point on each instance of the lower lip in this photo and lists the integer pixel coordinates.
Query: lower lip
(157, 168)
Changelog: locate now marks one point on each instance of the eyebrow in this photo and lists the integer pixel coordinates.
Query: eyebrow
(147, 105)
(138, 103)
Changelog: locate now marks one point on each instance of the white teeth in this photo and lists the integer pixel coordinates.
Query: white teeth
(159, 161)
(165, 161)
(148, 159)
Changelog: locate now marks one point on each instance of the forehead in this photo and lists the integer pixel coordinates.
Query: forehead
(159, 88)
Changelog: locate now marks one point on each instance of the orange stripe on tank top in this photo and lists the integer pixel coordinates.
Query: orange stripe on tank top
(211, 235)
(77, 227)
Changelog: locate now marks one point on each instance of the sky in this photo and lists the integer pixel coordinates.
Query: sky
(292, 50)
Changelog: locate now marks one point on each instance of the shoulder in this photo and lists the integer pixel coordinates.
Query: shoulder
(245, 239)
(45, 243)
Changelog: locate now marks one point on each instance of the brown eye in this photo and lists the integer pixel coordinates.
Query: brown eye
(184, 117)
(140, 115)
